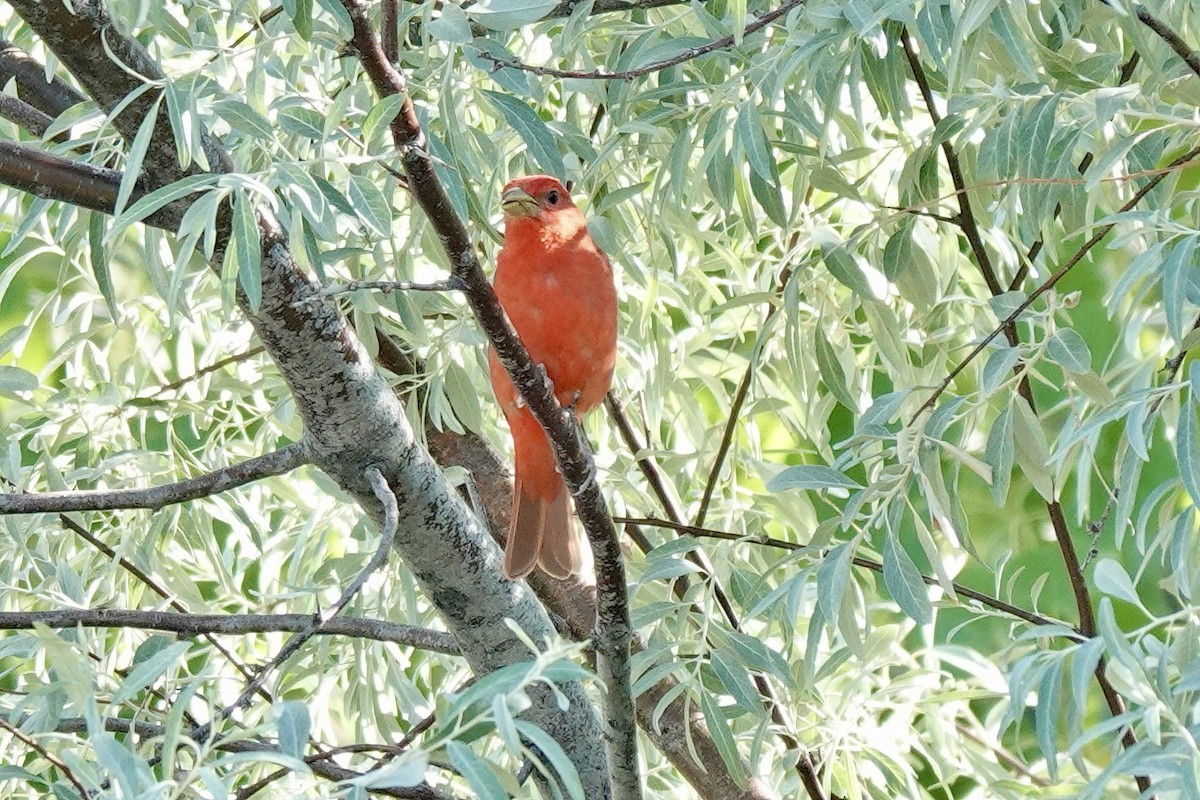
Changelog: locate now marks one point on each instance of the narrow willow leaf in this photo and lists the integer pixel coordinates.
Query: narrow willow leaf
(1187, 440)
(294, 725)
(833, 576)
(381, 115)
(1112, 579)
(552, 751)
(718, 726)
(998, 368)
(98, 257)
(1046, 714)
(542, 143)
(242, 118)
(507, 15)
(247, 248)
(483, 781)
(999, 454)
(749, 131)
(370, 205)
(150, 670)
(736, 680)
(135, 156)
(1176, 274)
(810, 476)
(904, 581)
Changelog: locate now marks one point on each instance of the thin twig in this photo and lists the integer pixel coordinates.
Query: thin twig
(966, 215)
(391, 517)
(688, 54)
(1173, 39)
(232, 624)
(285, 459)
(866, 563)
(53, 760)
(216, 366)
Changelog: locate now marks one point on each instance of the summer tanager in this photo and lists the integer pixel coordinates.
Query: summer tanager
(556, 287)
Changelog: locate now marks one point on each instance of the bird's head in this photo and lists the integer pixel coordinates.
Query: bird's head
(536, 197)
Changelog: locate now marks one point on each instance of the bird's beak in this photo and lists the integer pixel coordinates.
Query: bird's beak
(517, 202)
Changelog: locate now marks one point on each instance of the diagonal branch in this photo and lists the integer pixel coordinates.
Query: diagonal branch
(154, 498)
(687, 54)
(51, 97)
(1070, 264)
(613, 631)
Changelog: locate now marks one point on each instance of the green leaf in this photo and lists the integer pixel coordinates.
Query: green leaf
(1187, 449)
(810, 476)
(384, 112)
(904, 582)
(370, 205)
(451, 25)
(148, 671)
(15, 379)
(505, 15)
(552, 751)
(1177, 270)
(242, 118)
(833, 576)
(98, 258)
(475, 770)
(247, 248)
(542, 144)
(135, 156)
(303, 122)
(999, 367)
(736, 680)
(300, 12)
(999, 454)
(1112, 579)
(294, 725)
(1068, 349)
(1046, 715)
(749, 131)
(830, 369)
(718, 726)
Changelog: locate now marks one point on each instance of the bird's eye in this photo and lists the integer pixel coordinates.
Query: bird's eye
(552, 197)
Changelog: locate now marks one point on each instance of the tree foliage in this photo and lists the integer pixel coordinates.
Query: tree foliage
(904, 434)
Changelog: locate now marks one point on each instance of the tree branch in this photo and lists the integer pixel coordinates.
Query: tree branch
(24, 115)
(51, 97)
(688, 54)
(232, 624)
(1070, 264)
(154, 498)
(1173, 39)
(613, 630)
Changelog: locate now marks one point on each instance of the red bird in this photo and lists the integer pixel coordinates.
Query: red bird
(556, 286)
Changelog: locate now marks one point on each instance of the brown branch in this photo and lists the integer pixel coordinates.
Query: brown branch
(232, 624)
(44, 175)
(1168, 35)
(966, 215)
(51, 97)
(1050, 282)
(688, 54)
(283, 460)
(735, 410)
(24, 115)
(875, 566)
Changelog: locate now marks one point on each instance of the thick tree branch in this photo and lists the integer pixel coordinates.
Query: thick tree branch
(44, 175)
(1168, 35)
(23, 115)
(51, 97)
(232, 624)
(281, 461)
